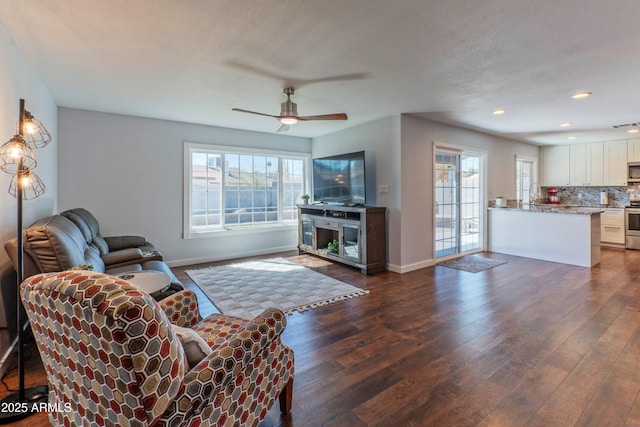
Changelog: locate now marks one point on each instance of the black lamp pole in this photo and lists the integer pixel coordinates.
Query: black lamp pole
(20, 272)
(24, 402)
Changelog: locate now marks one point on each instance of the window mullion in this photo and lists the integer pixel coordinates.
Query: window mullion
(206, 190)
(223, 190)
(280, 189)
(190, 194)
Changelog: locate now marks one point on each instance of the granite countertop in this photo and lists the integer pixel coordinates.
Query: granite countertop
(559, 209)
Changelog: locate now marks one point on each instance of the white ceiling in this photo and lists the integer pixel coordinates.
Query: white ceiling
(453, 61)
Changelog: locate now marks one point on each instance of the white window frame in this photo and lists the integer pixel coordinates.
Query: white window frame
(534, 178)
(190, 147)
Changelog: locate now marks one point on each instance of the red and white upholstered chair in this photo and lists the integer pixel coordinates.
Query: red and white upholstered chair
(113, 357)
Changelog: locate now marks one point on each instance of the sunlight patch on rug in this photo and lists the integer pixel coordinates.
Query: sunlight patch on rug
(246, 289)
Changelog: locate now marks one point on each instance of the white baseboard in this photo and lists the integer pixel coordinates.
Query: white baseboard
(612, 245)
(227, 256)
(411, 267)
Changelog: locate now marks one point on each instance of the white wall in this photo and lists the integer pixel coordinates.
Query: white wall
(419, 136)
(128, 171)
(19, 80)
(380, 141)
(417, 196)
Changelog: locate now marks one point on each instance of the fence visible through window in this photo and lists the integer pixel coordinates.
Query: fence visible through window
(230, 190)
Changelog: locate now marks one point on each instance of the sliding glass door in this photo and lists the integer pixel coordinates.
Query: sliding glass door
(458, 202)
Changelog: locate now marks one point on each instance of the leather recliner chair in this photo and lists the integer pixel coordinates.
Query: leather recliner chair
(72, 239)
(116, 251)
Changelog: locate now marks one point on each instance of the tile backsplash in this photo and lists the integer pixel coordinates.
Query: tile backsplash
(589, 196)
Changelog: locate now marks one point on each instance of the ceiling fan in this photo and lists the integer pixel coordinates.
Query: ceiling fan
(289, 113)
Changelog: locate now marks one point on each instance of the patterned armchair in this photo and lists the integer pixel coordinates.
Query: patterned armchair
(112, 356)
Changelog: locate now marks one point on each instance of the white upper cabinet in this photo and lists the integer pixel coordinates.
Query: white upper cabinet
(587, 164)
(615, 162)
(556, 164)
(633, 150)
(593, 164)
(578, 174)
(595, 156)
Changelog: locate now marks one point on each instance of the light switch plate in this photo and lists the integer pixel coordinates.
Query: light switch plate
(383, 189)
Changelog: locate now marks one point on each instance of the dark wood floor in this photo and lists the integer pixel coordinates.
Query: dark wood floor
(526, 343)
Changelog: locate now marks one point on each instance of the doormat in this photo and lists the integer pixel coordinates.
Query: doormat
(246, 289)
(472, 263)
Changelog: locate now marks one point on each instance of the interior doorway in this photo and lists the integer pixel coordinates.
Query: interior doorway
(458, 202)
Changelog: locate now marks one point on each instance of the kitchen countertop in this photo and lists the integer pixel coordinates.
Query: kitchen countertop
(558, 209)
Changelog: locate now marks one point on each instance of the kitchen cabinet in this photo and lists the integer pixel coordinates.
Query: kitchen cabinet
(615, 162)
(592, 164)
(612, 226)
(559, 235)
(587, 165)
(633, 150)
(556, 165)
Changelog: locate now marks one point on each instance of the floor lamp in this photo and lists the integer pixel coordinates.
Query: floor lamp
(17, 158)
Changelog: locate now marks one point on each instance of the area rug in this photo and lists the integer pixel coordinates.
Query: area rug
(246, 289)
(472, 263)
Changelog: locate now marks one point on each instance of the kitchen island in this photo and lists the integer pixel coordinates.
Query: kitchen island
(567, 235)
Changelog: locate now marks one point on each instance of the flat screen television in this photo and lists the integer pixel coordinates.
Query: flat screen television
(340, 179)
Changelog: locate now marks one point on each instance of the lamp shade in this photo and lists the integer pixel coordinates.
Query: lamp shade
(16, 155)
(34, 132)
(32, 185)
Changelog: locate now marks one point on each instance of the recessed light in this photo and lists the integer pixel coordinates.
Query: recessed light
(572, 137)
(564, 125)
(633, 130)
(498, 112)
(581, 95)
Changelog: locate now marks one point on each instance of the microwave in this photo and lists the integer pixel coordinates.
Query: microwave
(633, 172)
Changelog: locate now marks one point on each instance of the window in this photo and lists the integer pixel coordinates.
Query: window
(525, 177)
(230, 188)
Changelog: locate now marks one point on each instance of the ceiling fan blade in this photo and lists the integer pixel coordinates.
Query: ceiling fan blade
(291, 81)
(283, 128)
(337, 116)
(253, 112)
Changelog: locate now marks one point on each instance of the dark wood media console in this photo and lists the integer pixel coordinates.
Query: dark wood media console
(356, 236)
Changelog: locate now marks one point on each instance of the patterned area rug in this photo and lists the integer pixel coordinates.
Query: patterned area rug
(246, 289)
(472, 263)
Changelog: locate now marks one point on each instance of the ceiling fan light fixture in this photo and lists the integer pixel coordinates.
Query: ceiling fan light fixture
(289, 113)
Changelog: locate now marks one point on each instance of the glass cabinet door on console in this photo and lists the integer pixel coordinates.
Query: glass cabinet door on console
(306, 230)
(351, 241)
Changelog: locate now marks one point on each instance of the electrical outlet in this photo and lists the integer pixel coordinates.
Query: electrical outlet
(383, 189)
